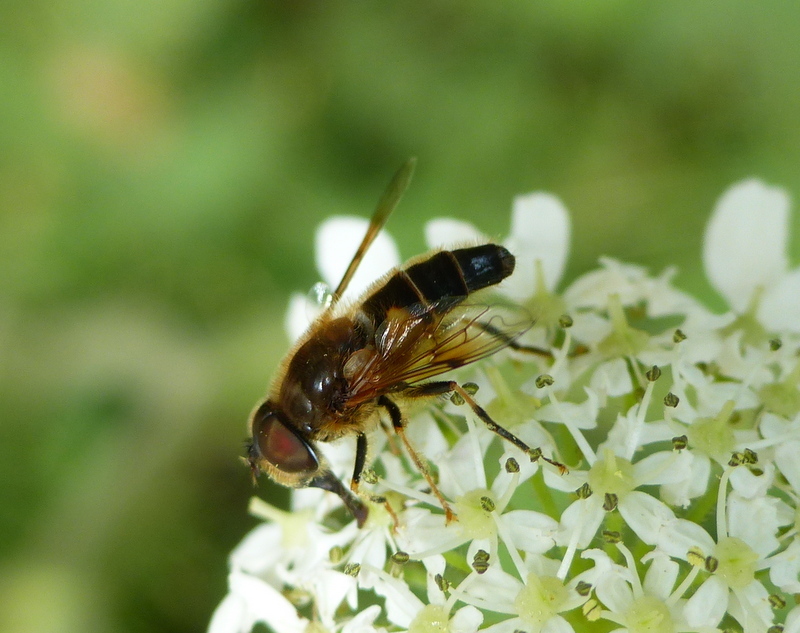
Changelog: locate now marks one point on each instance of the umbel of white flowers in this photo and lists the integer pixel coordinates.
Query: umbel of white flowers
(681, 430)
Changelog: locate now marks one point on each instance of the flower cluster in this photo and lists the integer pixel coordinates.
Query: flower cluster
(680, 429)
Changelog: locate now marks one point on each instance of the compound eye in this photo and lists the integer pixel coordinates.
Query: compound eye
(280, 445)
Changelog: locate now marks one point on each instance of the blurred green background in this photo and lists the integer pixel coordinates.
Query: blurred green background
(163, 165)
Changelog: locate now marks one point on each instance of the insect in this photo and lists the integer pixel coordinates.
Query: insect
(354, 363)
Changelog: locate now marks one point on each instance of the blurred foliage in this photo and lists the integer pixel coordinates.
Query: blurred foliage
(163, 166)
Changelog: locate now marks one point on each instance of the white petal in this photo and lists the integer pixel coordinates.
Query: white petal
(448, 232)
(530, 531)
(614, 592)
(708, 604)
(462, 467)
(230, 616)
(267, 604)
(330, 589)
(792, 621)
(299, 315)
(750, 606)
(745, 241)
(584, 515)
(557, 624)
(363, 622)
(612, 378)
(693, 485)
(603, 565)
(540, 230)
(779, 309)
(679, 536)
(260, 550)
(336, 242)
(401, 604)
(645, 515)
(661, 576)
(786, 460)
(506, 626)
(785, 568)
(663, 299)
(370, 549)
(422, 531)
(590, 327)
(434, 565)
(497, 588)
(466, 620)
(663, 467)
(760, 535)
(593, 289)
(583, 415)
(748, 484)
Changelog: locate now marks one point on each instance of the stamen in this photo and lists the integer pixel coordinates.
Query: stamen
(636, 583)
(580, 440)
(572, 548)
(722, 520)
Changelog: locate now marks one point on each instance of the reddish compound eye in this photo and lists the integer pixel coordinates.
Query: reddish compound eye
(280, 445)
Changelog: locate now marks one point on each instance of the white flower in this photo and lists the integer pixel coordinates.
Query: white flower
(744, 252)
(483, 522)
(540, 232)
(784, 435)
(734, 587)
(406, 610)
(251, 600)
(784, 568)
(534, 603)
(647, 397)
(337, 240)
(648, 604)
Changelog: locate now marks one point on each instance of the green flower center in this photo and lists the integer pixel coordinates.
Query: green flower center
(540, 599)
(612, 475)
(714, 436)
(294, 524)
(474, 511)
(753, 333)
(432, 619)
(624, 340)
(547, 306)
(737, 562)
(512, 406)
(649, 615)
(783, 397)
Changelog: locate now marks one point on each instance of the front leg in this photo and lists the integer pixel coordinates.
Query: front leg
(361, 458)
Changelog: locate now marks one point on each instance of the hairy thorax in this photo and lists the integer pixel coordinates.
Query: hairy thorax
(316, 397)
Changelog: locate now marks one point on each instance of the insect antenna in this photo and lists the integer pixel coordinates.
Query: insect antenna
(387, 203)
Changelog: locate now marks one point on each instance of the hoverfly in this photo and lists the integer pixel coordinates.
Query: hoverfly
(354, 363)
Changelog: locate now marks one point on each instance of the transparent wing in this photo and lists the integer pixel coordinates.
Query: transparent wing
(414, 344)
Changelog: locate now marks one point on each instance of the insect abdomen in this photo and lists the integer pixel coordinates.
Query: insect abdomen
(454, 274)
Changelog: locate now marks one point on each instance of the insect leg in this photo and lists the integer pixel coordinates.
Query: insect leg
(361, 458)
(328, 481)
(512, 342)
(391, 439)
(399, 427)
(451, 386)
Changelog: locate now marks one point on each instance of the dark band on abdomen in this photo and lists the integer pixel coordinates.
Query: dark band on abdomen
(445, 275)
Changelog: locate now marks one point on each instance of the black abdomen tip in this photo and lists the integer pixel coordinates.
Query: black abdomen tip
(507, 261)
(484, 265)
